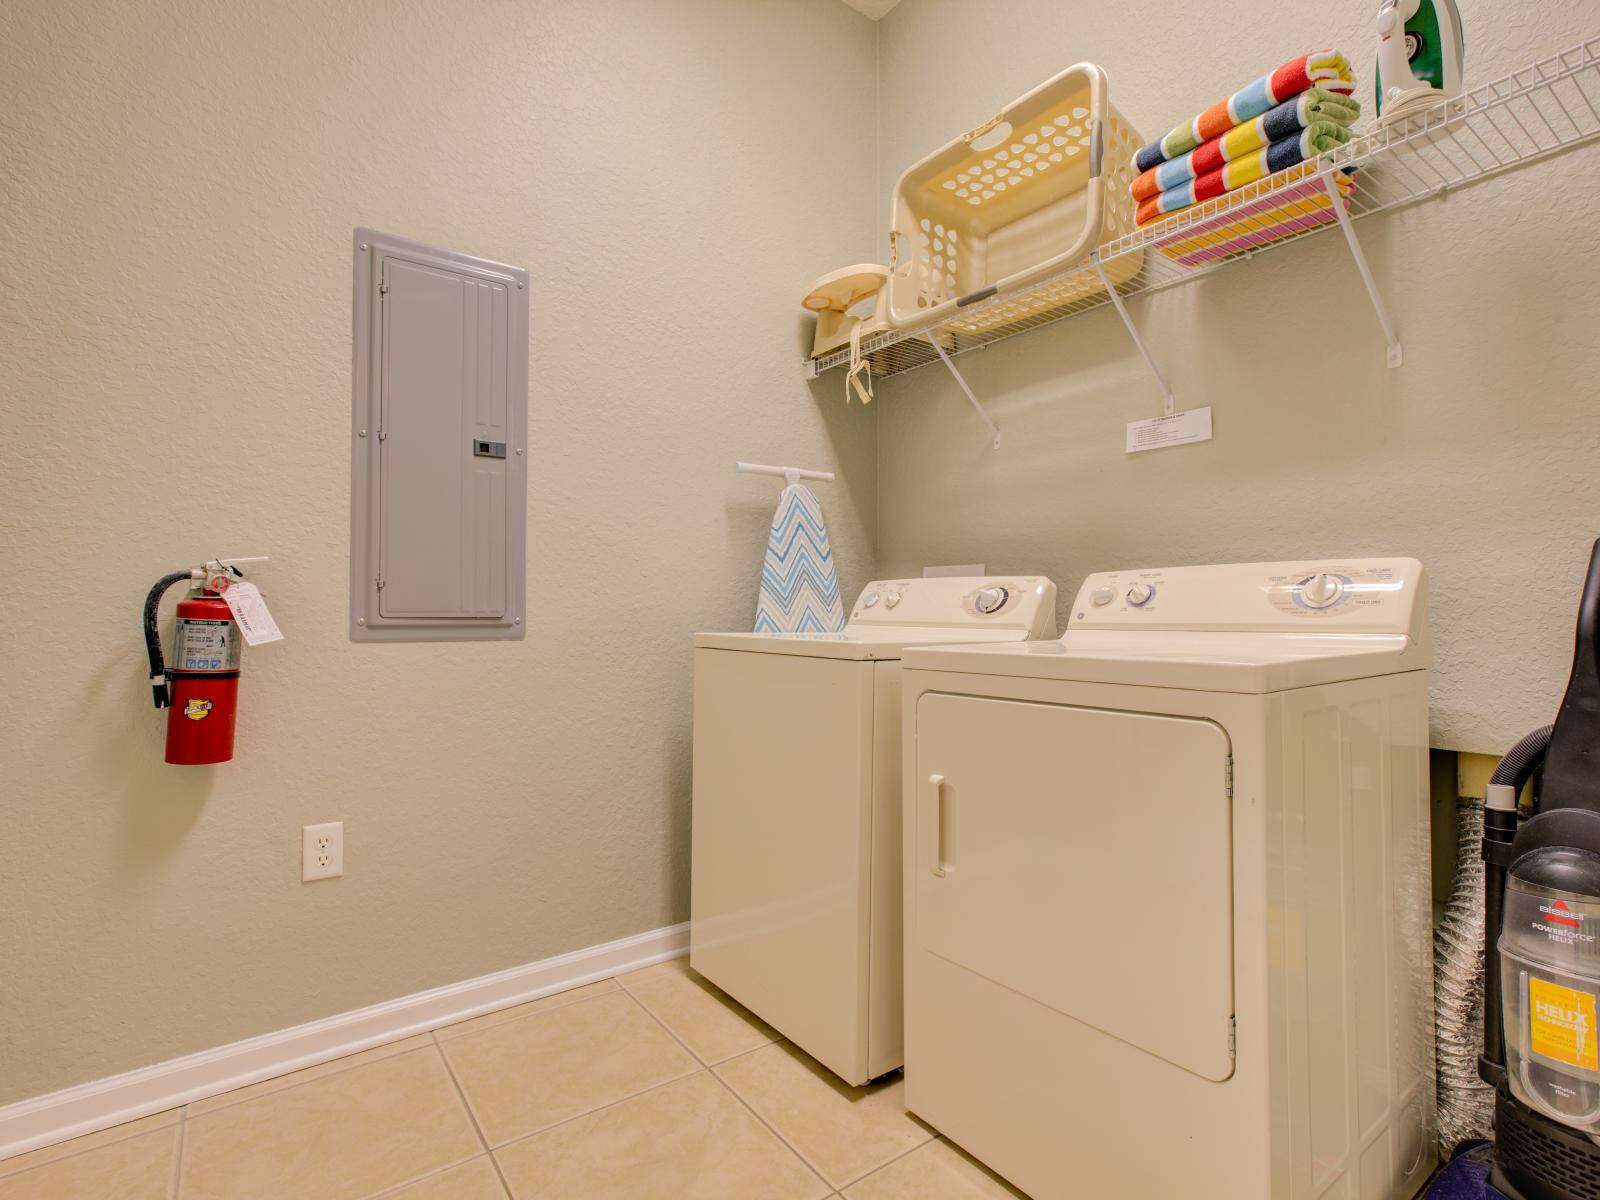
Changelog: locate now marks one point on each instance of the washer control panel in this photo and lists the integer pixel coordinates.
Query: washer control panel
(1025, 602)
(1367, 595)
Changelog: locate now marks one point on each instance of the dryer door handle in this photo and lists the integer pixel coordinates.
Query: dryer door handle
(933, 820)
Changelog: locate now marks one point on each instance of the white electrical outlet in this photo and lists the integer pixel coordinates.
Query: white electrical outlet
(321, 851)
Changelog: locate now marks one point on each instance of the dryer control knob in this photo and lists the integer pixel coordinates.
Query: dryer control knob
(891, 599)
(871, 600)
(1322, 590)
(990, 600)
(1102, 596)
(1141, 594)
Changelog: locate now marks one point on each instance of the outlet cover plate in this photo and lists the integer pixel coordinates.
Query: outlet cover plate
(321, 851)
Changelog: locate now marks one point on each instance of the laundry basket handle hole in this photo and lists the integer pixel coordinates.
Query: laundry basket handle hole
(988, 136)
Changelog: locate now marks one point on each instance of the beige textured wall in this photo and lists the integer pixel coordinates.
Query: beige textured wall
(1478, 456)
(178, 183)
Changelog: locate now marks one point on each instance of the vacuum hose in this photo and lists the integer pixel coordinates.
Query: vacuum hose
(1517, 767)
(152, 637)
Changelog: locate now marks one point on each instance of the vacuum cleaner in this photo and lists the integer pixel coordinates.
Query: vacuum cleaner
(1541, 984)
(1420, 48)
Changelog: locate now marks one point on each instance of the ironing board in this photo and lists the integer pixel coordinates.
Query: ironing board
(799, 588)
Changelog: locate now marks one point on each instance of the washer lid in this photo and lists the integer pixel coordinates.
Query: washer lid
(891, 614)
(886, 642)
(1202, 662)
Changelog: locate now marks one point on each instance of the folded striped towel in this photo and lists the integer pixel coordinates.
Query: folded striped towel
(1280, 155)
(1287, 120)
(1326, 69)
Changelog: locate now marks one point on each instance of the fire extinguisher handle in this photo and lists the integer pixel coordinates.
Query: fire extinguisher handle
(159, 691)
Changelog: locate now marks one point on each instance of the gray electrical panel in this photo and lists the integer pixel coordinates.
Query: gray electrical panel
(439, 462)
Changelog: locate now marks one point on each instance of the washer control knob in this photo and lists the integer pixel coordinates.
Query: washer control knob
(891, 599)
(1102, 596)
(990, 600)
(1322, 590)
(871, 600)
(1141, 594)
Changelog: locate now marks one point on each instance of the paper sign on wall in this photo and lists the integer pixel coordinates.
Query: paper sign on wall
(1177, 430)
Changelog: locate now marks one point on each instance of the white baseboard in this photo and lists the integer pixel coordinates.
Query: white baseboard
(90, 1107)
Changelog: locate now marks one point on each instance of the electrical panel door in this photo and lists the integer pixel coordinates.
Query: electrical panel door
(440, 461)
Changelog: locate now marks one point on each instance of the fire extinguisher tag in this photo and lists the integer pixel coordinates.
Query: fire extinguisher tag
(244, 601)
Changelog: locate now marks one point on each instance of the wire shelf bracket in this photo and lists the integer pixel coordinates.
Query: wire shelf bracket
(1169, 403)
(1395, 355)
(961, 380)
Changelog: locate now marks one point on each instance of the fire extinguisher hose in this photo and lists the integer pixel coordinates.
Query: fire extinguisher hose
(152, 637)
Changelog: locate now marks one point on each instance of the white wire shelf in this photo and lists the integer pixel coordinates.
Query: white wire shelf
(1521, 118)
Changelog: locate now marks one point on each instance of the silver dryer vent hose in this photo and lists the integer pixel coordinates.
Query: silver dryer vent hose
(1466, 1103)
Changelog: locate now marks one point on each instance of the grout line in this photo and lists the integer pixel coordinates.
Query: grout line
(698, 1067)
(430, 1034)
(774, 1130)
(434, 1032)
(13, 1173)
(932, 1134)
(289, 1087)
(886, 1164)
(177, 1155)
(672, 1033)
(793, 1149)
(396, 1189)
(471, 1115)
(654, 1087)
(700, 1058)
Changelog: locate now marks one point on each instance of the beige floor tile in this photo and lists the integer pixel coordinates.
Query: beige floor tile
(543, 1004)
(278, 1083)
(137, 1168)
(117, 1133)
(841, 1130)
(525, 1075)
(689, 1140)
(711, 1023)
(937, 1171)
(475, 1180)
(341, 1137)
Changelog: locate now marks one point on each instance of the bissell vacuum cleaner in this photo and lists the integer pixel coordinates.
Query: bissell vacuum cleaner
(1541, 982)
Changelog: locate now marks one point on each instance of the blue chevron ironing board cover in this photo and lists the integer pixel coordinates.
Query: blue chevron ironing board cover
(799, 587)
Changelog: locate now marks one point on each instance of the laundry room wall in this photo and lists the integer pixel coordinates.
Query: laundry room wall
(1477, 456)
(178, 187)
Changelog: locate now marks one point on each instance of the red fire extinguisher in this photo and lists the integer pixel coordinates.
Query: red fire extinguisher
(200, 689)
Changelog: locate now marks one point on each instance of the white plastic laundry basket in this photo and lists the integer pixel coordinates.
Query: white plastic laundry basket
(1025, 195)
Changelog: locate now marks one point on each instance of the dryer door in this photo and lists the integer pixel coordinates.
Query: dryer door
(1083, 857)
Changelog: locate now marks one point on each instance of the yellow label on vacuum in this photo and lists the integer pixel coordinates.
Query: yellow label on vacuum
(1563, 1024)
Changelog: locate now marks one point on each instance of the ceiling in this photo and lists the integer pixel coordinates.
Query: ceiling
(873, 8)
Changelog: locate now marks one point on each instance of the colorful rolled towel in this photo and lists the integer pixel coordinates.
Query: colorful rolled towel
(1325, 69)
(1280, 155)
(1287, 120)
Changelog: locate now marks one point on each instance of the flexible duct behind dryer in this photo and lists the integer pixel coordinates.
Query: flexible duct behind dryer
(1466, 1103)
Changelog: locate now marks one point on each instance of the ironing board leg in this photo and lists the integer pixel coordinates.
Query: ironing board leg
(1170, 405)
(1395, 357)
(933, 340)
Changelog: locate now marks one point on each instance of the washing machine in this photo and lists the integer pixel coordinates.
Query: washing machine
(1167, 889)
(795, 880)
